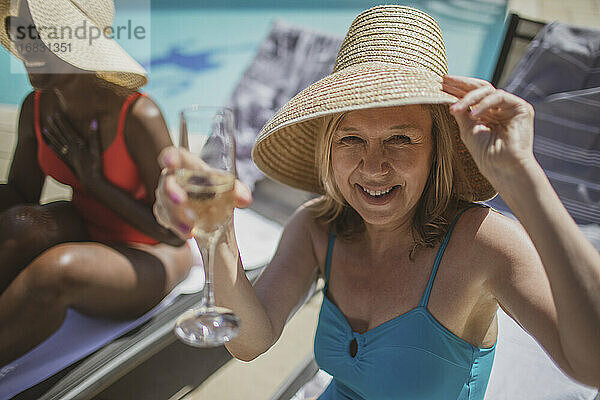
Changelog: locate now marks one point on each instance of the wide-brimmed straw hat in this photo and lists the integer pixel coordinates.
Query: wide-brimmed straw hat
(103, 55)
(391, 56)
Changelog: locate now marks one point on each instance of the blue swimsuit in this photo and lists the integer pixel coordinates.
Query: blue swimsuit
(411, 357)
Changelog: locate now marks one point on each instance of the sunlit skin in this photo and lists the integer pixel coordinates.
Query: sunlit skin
(45, 248)
(490, 261)
(378, 149)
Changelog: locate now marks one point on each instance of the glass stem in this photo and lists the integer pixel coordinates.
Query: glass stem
(208, 258)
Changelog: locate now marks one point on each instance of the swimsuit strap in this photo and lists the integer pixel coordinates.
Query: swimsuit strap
(438, 258)
(36, 115)
(328, 260)
(122, 114)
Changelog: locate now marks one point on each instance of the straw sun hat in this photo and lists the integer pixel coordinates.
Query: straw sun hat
(103, 56)
(391, 56)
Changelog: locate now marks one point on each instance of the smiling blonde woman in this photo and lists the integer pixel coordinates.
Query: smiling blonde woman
(414, 267)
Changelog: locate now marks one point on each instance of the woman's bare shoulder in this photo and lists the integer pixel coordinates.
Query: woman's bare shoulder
(306, 215)
(145, 108)
(499, 232)
(305, 218)
(492, 240)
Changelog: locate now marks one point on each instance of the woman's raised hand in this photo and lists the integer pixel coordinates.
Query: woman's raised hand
(170, 206)
(496, 126)
(82, 152)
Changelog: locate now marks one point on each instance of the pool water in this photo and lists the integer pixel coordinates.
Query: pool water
(197, 50)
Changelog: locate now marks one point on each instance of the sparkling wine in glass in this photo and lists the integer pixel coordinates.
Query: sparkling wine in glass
(207, 132)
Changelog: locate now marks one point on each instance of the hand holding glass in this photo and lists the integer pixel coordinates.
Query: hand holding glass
(207, 132)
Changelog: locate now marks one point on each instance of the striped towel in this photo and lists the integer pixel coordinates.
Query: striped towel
(560, 76)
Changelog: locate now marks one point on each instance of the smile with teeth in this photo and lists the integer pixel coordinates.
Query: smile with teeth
(377, 193)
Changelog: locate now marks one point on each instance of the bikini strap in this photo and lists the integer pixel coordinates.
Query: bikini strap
(122, 115)
(328, 260)
(438, 258)
(36, 115)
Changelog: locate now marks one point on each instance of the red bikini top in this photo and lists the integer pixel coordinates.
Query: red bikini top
(119, 168)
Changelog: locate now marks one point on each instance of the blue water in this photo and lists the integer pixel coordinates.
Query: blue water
(197, 50)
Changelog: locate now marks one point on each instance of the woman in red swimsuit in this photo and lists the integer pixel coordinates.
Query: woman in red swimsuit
(102, 253)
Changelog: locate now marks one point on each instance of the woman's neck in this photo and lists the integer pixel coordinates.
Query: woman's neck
(379, 238)
(82, 99)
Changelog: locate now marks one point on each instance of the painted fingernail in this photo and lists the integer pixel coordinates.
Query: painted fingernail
(175, 198)
(183, 227)
(168, 159)
(94, 124)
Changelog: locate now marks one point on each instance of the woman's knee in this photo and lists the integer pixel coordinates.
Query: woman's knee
(53, 275)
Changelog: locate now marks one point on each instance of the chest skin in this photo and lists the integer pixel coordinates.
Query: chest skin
(108, 118)
(372, 291)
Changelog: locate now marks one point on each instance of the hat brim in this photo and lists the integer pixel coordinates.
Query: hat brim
(285, 147)
(104, 56)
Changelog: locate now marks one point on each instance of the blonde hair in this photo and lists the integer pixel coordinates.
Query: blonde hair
(438, 202)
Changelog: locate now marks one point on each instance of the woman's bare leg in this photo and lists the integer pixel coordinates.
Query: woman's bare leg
(115, 282)
(28, 230)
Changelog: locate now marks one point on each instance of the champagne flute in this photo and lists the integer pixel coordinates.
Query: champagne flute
(207, 132)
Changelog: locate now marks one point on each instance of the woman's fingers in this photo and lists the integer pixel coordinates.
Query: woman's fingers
(170, 206)
(454, 91)
(64, 129)
(464, 116)
(93, 140)
(51, 140)
(190, 161)
(176, 158)
(163, 216)
(169, 158)
(472, 98)
(490, 105)
(172, 158)
(59, 142)
(171, 209)
(496, 102)
(174, 192)
(464, 83)
(503, 104)
(459, 86)
(54, 131)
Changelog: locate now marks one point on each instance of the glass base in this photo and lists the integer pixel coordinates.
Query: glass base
(203, 327)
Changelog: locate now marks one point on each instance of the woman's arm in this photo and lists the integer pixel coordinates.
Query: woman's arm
(265, 308)
(571, 263)
(279, 291)
(25, 179)
(497, 128)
